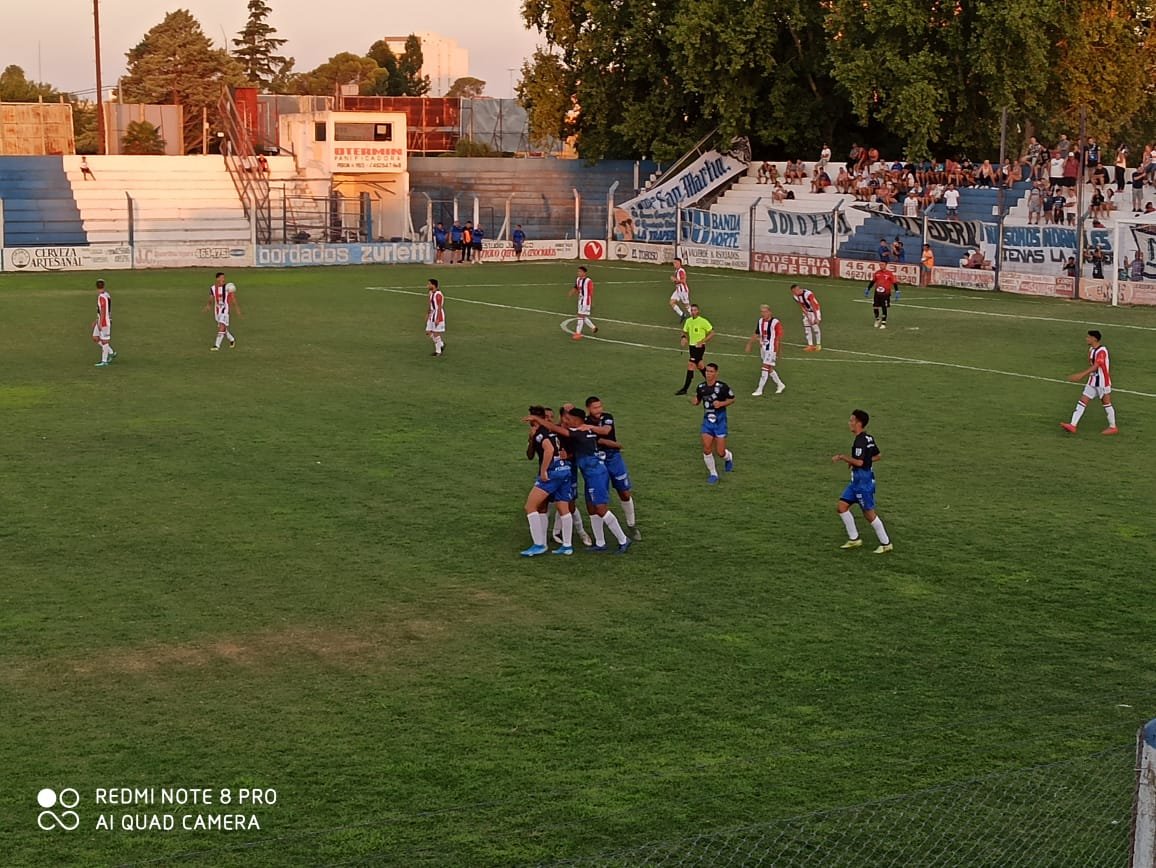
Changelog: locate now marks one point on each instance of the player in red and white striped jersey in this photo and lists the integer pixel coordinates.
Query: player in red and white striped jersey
(1099, 385)
(768, 334)
(584, 289)
(812, 317)
(681, 294)
(435, 321)
(102, 325)
(222, 299)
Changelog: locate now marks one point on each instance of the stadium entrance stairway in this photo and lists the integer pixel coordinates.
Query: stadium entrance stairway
(39, 208)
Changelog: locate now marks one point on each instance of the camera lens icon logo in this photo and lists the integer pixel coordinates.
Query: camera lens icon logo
(67, 819)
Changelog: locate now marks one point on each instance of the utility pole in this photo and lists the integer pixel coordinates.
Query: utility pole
(1001, 196)
(1080, 204)
(102, 143)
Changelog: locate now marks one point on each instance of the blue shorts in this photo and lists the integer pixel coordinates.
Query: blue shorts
(596, 478)
(561, 484)
(860, 493)
(619, 475)
(715, 424)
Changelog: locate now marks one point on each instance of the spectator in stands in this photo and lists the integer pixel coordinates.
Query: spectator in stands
(931, 195)
(262, 165)
(1150, 208)
(951, 200)
(1070, 206)
(1035, 204)
(975, 260)
(926, 263)
(1121, 166)
(1099, 205)
(1091, 154)
(1058, 206)
(1035, 155)
(824, 157)
(886, 193)
(440, 238)
(853, 157)
(476, 238)
(1136, 267)
(897, 251)
(764, 173)
(843, 181)
(1150, 166)
(778, 194)
(1096, 257)
(796, 172)
(884, 250)
(1069, 267)
(1056, 169)
(1071, 170)
(1138, 189)
(86, 172)
(863, 189)
(911, 203)
(1099, 176)
(1063, 145)
(519, 239)
(986, 176)
(467, 242)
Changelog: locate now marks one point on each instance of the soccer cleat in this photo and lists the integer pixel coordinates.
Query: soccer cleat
(101, 365)
(111, 355)
(1112, 430)
(809, 348)
(623, 548)
(882, 550)
(637, 534)
(585, 537)
(852, 544)
(876, 323)
(756, 394)
(595, 329)
(681, 392)
(576, 337)
(782, 388)
(233, 343)
(564, 550)
(435, 353)
(818, 348)
(1069, 427)
(601, 548)
(682, 317)
(729, 465)
(882, 325)
(712, 479)
(533, 551)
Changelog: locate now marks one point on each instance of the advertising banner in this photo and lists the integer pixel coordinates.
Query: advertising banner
(814, 233)
(650, 216)
(299, 255)
(714, 257)
(631, 251)
(1135, 292)
(503, 251)
(789, 263)
(964, 278)
(1047, 285)
(864, 270)
(175, 255)
(95, 257)
(368, 157)
(714, 239)
(594, 250)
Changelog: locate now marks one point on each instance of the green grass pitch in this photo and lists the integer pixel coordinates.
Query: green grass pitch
(293, 565)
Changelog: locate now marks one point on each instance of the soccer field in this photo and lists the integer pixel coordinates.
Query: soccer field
(293, 566)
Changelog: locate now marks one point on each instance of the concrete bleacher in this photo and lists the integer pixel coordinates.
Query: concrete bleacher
(175, 199)
(541, 190)
(39, 208)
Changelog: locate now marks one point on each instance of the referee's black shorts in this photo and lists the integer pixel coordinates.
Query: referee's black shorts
(696, 353)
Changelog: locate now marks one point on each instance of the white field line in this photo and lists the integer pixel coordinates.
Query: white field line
(876, 356)
(902, 303)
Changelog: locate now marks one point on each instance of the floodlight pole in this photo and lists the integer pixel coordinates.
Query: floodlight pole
(101, 144)
(1001, 197)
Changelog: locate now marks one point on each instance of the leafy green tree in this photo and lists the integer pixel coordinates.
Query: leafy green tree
(84, 129)
(409, 66)
(466, 87)
(141, 137)
(546, 90)
(399, 76)
(177, 64)
(343, 68)
(256, 48)
(16, 87)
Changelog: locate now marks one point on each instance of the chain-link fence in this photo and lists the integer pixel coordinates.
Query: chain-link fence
(1062, 814)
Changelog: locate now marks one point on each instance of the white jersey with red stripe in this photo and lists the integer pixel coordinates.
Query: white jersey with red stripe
(102, 328)
(770, 332)
(1100, 381)
(585, 287)
(223, 298)
(436, 318)
(810, 306)
(681, 290)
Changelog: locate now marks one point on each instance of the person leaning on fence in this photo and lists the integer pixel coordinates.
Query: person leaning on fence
(1136, 267)
(926, 263)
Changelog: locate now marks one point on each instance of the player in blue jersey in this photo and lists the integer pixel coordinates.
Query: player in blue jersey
(457, 233)
(715, 396)
(603, 423)
(861, 490)
(555, 482)
(534, 452)
(587, 449)
(519, 238)
(441, 239)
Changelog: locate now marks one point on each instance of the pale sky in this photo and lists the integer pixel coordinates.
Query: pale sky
(53, 43)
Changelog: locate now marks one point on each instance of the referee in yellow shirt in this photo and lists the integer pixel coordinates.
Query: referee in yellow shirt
(697, 332)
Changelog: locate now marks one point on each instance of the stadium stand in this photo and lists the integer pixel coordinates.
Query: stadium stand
(39, 208)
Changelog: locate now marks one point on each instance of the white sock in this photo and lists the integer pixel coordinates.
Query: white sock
(877, 526)
(439, 343)
(807, 332)
(590, 323)
(727, 456)
(599, 531)
(220, 337)
(628, 511)
(537, 529)
(104, 348)
(763, 380)
(578, 326)
(677, 310)
(708, 459)
(1079, 411)
(611, 521)
(849, 523)
(818, 336)
(577, 519)
(568, 530)
(1110, 409)
(229, 335)
(775, 377)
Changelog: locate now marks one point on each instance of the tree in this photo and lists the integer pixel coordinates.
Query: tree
(546, 90)
(343, 68)
(176, 64)
(256, 48)
(16, 87)
(409, 65)
(84, 129)
(466, 87)
(399, 76)
(141, 137)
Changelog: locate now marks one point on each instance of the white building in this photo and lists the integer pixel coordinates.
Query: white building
(443, 60)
